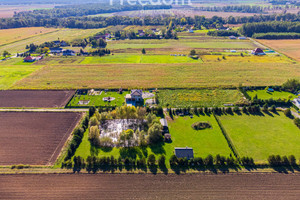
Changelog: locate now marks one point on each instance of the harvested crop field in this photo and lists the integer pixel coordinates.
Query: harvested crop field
(187, 75)
(35, 98)
(134, 186)
(34, 138)
(288, 47)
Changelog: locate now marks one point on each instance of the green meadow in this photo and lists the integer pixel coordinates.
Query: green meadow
(260, 136)
(263, 94)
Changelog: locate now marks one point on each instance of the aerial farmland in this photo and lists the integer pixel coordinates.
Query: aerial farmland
(165, 93)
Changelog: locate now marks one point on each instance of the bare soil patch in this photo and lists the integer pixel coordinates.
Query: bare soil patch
(134, 186)
(35, 98)
(34, 138)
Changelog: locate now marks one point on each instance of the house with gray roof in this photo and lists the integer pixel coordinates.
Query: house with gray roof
(184, 152)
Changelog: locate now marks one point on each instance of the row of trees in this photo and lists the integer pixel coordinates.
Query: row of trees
(276, 36)
(223, 33)
(278, 161)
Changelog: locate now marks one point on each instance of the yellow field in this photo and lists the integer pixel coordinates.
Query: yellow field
(247, 59)
(290, 48)
(62, 34)
(11, 35)
(159, 75)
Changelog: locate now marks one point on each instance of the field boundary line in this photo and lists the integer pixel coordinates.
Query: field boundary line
(228, 139)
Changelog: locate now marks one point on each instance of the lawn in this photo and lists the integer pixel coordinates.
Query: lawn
(187, 75)
(146, 59)
(9, 74)
(263, 94)
(97, 100)
(192, 98)
(260, 136)
(204, 142)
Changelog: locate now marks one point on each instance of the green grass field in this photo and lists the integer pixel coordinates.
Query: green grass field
(263, 94)
(192, 98)
(97, 100)
(204, 142)
(9, 74)
(188, 75)
(145, 59)
(261, 136)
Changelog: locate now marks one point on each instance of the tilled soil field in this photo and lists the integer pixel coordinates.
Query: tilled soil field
(34, 98)
(34, 138)
(135, 186)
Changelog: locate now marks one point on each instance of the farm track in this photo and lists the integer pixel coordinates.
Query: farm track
(140, 186)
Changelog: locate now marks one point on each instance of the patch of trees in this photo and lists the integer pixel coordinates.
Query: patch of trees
(223, 33)
(77, 138)
(235, 8)
(291, 85)
(297, 122)
(84, 10)
(276, 36)
(284, 161)
(265, 27)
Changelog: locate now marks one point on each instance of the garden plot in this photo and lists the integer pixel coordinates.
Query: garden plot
(113, 128)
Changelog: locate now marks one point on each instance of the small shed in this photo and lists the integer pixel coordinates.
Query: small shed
(258, 51)
(232, 37)
(29, 59)
(184, 152)
(164, 124)
(270, 90)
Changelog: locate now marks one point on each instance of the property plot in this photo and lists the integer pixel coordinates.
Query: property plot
(263, 135)
(246, 58)
(146, 59)
(9, 74)
(187, 75)
(204, 142)
(34, 99)
(34, 138)
(102, 99)
(288, 47)
(192, 98)
(263, 94)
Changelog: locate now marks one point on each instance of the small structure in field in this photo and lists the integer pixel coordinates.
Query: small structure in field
(242, 38)
(270, 90)
(258, 52)
(135, 98)
(165, 126)
(184, 152)
(29, 59)
(167, 137)
(108, 99)
(83, 102)
(232, 37)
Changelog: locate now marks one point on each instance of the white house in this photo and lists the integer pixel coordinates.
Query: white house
(135, 98)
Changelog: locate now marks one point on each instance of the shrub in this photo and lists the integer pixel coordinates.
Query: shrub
(151, 160)
(288, 112)
(201, 125)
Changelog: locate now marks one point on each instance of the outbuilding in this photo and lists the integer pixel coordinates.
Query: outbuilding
(184, 152)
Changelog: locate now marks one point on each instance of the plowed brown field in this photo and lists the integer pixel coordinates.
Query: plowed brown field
(34, 138)
(35, 98)
(134, 186)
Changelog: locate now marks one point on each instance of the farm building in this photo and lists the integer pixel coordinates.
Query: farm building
(135, 98)
(68, 52)
(184, 152)
(32, 59)
(164, 124)
(258, 52)
(232, 37)
(191, 31)
(56, 50)
(242, 38)
(29, 59)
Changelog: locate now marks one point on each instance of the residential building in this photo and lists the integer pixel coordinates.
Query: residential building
(68, 52)
(135, 98)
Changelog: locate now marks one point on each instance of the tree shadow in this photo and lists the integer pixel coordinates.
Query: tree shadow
(94, 150)
(158, 148)
(106, 149)
(153, 169)
(130, 152)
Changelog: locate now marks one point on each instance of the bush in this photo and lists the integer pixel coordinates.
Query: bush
(201, 125)
(151, 160)
(288, 112)
(162, 161)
